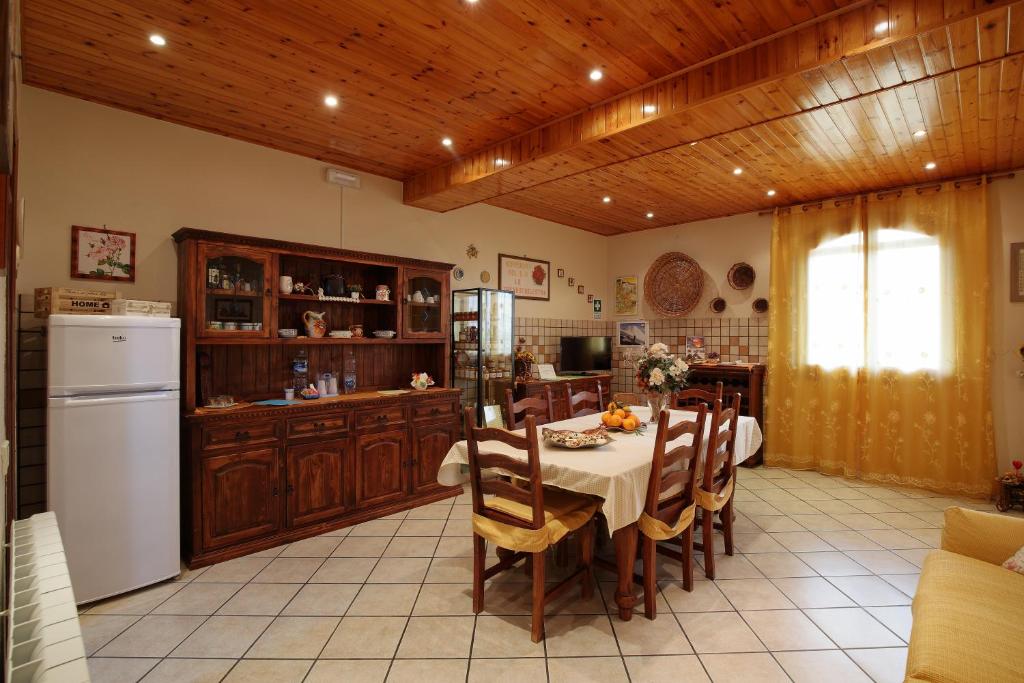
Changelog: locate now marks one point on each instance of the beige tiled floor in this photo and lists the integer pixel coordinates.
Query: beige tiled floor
(819, 589)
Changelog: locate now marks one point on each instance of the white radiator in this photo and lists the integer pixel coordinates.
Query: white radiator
(44, 639)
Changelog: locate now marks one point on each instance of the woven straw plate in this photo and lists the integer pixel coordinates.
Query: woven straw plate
(673, 284)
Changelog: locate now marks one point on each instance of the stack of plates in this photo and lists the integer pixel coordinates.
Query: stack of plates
(384, 334)
(288, 332)
(340, 334)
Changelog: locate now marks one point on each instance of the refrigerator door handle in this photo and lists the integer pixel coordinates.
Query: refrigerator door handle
(99, 400)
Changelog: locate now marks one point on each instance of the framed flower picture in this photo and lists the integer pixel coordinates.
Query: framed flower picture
(101, 254)
(527, 278)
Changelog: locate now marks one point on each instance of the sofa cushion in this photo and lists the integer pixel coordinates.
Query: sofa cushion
(966, 622)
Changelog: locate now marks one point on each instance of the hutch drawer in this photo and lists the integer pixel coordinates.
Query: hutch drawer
(240, 434)
(380, 418)
(318, 425)
(437, 410)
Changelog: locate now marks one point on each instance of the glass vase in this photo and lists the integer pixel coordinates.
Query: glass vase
(656, 401)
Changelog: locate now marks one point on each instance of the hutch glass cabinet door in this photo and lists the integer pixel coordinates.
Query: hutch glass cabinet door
(234, 294)
(426, 301)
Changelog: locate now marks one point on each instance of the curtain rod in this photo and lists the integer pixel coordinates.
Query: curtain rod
(839, 201)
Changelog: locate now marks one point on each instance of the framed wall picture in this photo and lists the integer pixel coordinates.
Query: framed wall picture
(527, 278)
(561, 272)
(572, 282)
(579, 290)
(632, 332)
(1017, 271)
(627, 295)
(590, 298)
(101, 254)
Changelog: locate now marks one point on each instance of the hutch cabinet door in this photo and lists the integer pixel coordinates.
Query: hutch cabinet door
(234, 293)
(430, 445)
(241, 496)
(318, 480)
(380, 474)
(425, 309)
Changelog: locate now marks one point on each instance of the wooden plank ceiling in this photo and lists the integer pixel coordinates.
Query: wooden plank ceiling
(810, 98)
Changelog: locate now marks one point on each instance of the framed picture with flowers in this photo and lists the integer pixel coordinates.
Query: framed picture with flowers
(527, 278)
(102, 254)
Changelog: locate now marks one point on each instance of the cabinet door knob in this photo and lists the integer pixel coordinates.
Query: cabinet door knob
(290, 489)
(382, 418)
(435, 411)
(275, 490)
(318, 426)
(242, 435)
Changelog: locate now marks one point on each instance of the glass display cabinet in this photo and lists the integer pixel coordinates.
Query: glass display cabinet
(236, 301)
(482, 348)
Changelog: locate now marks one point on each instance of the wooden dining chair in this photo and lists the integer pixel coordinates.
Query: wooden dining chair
(586, 399)
(715, 495)
(670, 508)
(688, 398)
(526, 519)
(541, 408)
(629, 398)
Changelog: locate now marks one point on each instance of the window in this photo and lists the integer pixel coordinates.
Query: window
(899, 324)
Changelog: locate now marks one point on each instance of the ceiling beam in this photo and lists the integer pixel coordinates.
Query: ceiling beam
(831, 60)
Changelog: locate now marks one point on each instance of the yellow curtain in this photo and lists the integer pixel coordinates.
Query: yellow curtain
(879, 358)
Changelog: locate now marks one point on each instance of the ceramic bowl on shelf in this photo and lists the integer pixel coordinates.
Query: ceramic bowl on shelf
(384, 334)
(230, 326)
(215, 325)
(288, 333)
(340, 334)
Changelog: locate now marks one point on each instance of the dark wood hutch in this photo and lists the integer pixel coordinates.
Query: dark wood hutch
(256, 476)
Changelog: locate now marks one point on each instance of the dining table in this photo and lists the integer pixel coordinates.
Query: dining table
(618, 473)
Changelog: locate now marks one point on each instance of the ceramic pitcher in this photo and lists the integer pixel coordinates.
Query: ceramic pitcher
(316, 324)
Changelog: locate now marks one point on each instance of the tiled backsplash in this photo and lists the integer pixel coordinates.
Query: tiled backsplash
(735, 339)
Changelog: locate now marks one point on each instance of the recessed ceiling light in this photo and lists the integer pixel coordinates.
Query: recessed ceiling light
(596, 75)
(650, 108)
(447, 142)
(737, 171)
(331, 100)
(158, 40)
(471, 2)
(920, 133)
(650, 214)
(693, 144)
(501, 162)
(882, 27)
(770, 193)
(606, 199)
(930, 166)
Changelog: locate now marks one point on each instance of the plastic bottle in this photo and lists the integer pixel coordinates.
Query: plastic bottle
(349, 373)
(300, 370)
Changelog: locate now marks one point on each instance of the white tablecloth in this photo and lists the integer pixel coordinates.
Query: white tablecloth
(617, 472)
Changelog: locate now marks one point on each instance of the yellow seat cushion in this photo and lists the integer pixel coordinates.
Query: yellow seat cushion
(966, 622)
(564, 512)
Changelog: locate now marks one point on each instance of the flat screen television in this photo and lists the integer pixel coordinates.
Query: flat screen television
(586, 354)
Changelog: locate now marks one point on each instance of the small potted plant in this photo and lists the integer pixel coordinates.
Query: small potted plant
(355, 289)
(659, 373)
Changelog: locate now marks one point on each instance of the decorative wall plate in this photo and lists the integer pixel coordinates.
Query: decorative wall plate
(485, 277)
(760, 305)
(458, 273)
(741, 276)
(717, 305)
(673, 284)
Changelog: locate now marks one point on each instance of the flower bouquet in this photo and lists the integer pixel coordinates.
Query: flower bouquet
(659, 373)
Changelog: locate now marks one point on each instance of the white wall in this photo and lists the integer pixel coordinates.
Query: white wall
(1006, 223)
(86, 164)
(715, 244)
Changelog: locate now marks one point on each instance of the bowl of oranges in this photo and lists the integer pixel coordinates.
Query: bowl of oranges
(620, 418)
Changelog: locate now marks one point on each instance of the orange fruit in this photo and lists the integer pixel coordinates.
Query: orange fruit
(606, 418)
(615, 421)
(629, 424)
(628, 409)
(620, 413)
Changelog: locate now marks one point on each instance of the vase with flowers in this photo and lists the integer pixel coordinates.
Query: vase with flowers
(523, 362)
(659, 373)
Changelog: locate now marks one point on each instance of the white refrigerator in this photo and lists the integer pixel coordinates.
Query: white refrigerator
(112, 430)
